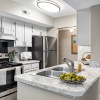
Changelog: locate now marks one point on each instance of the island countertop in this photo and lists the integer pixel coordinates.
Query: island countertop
(57, 86)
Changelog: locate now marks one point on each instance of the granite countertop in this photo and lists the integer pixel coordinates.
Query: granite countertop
(28, 62)
(55, 85)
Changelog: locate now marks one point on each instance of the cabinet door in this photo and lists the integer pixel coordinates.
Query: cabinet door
(28, 34)
(8, 26)
(36, 30)
(35, 66)
(84, 27)
(19, 34)
(27, 68)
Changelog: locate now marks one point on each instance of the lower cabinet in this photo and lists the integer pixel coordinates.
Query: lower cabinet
(35, 66)
(30, 67)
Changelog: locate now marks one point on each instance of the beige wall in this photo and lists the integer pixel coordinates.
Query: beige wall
(11, 9)
(65, 46)
(67, 21)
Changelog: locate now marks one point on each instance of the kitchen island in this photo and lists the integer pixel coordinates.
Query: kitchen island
(32, 86)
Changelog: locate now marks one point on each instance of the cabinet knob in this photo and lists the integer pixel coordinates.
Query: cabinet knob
(14, 23)
(23, 44)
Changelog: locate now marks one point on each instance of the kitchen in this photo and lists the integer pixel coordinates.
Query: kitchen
(18, 19)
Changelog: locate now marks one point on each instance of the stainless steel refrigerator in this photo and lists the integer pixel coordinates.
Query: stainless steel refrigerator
(44, 48)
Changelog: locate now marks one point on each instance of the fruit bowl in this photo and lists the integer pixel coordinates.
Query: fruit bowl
(73, 82)
(72, 78)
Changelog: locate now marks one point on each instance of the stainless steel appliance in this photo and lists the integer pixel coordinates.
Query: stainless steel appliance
(44, 48)
(3, 46)
(8, 90)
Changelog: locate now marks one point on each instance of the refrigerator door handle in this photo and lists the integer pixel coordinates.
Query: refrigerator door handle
(47, 46)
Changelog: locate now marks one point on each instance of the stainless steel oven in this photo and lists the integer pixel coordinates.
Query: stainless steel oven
(8, 91)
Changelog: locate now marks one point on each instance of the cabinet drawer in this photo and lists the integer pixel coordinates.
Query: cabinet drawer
(27, 67)
(27, 71)
(35, 65)
(36, 69)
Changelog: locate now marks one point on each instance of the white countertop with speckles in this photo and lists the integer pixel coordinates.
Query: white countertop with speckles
(28, 62)
(55, 85)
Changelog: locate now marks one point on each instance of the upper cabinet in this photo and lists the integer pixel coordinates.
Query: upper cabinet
(28, 34)
(8, 26)
(23, 34)
(19, 31)
(19, 34)
(37, 30)
(84, 27)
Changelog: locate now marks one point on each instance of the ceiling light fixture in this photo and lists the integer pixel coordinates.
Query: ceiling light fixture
(71, 29)
(48, 5)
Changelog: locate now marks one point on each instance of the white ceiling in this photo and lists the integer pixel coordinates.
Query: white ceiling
(65, 8)
(81, 4)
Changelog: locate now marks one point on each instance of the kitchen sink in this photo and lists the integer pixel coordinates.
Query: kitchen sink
(61, 69)
(51, 73)
(64, 69)
(55, 72)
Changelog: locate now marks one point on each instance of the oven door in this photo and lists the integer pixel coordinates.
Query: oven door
(10, 83)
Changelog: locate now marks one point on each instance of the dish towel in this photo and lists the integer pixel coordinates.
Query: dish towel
(2, 76)
(18, 70)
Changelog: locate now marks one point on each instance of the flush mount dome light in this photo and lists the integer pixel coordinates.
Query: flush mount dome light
(48, 5)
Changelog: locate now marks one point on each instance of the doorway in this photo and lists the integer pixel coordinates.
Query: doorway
(65, 45)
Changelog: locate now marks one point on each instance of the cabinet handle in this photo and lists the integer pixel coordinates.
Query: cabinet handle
(16, 38)
(23, 44)
(2, 30)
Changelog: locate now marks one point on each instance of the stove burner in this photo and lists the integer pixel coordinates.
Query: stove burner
(8, 64)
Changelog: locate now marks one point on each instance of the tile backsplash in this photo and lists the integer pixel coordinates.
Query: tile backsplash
(18, 49)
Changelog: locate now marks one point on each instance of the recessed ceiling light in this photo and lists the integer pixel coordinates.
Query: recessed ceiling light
(48, 5)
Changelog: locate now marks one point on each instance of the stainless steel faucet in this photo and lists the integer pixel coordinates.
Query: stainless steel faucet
(70, 65)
